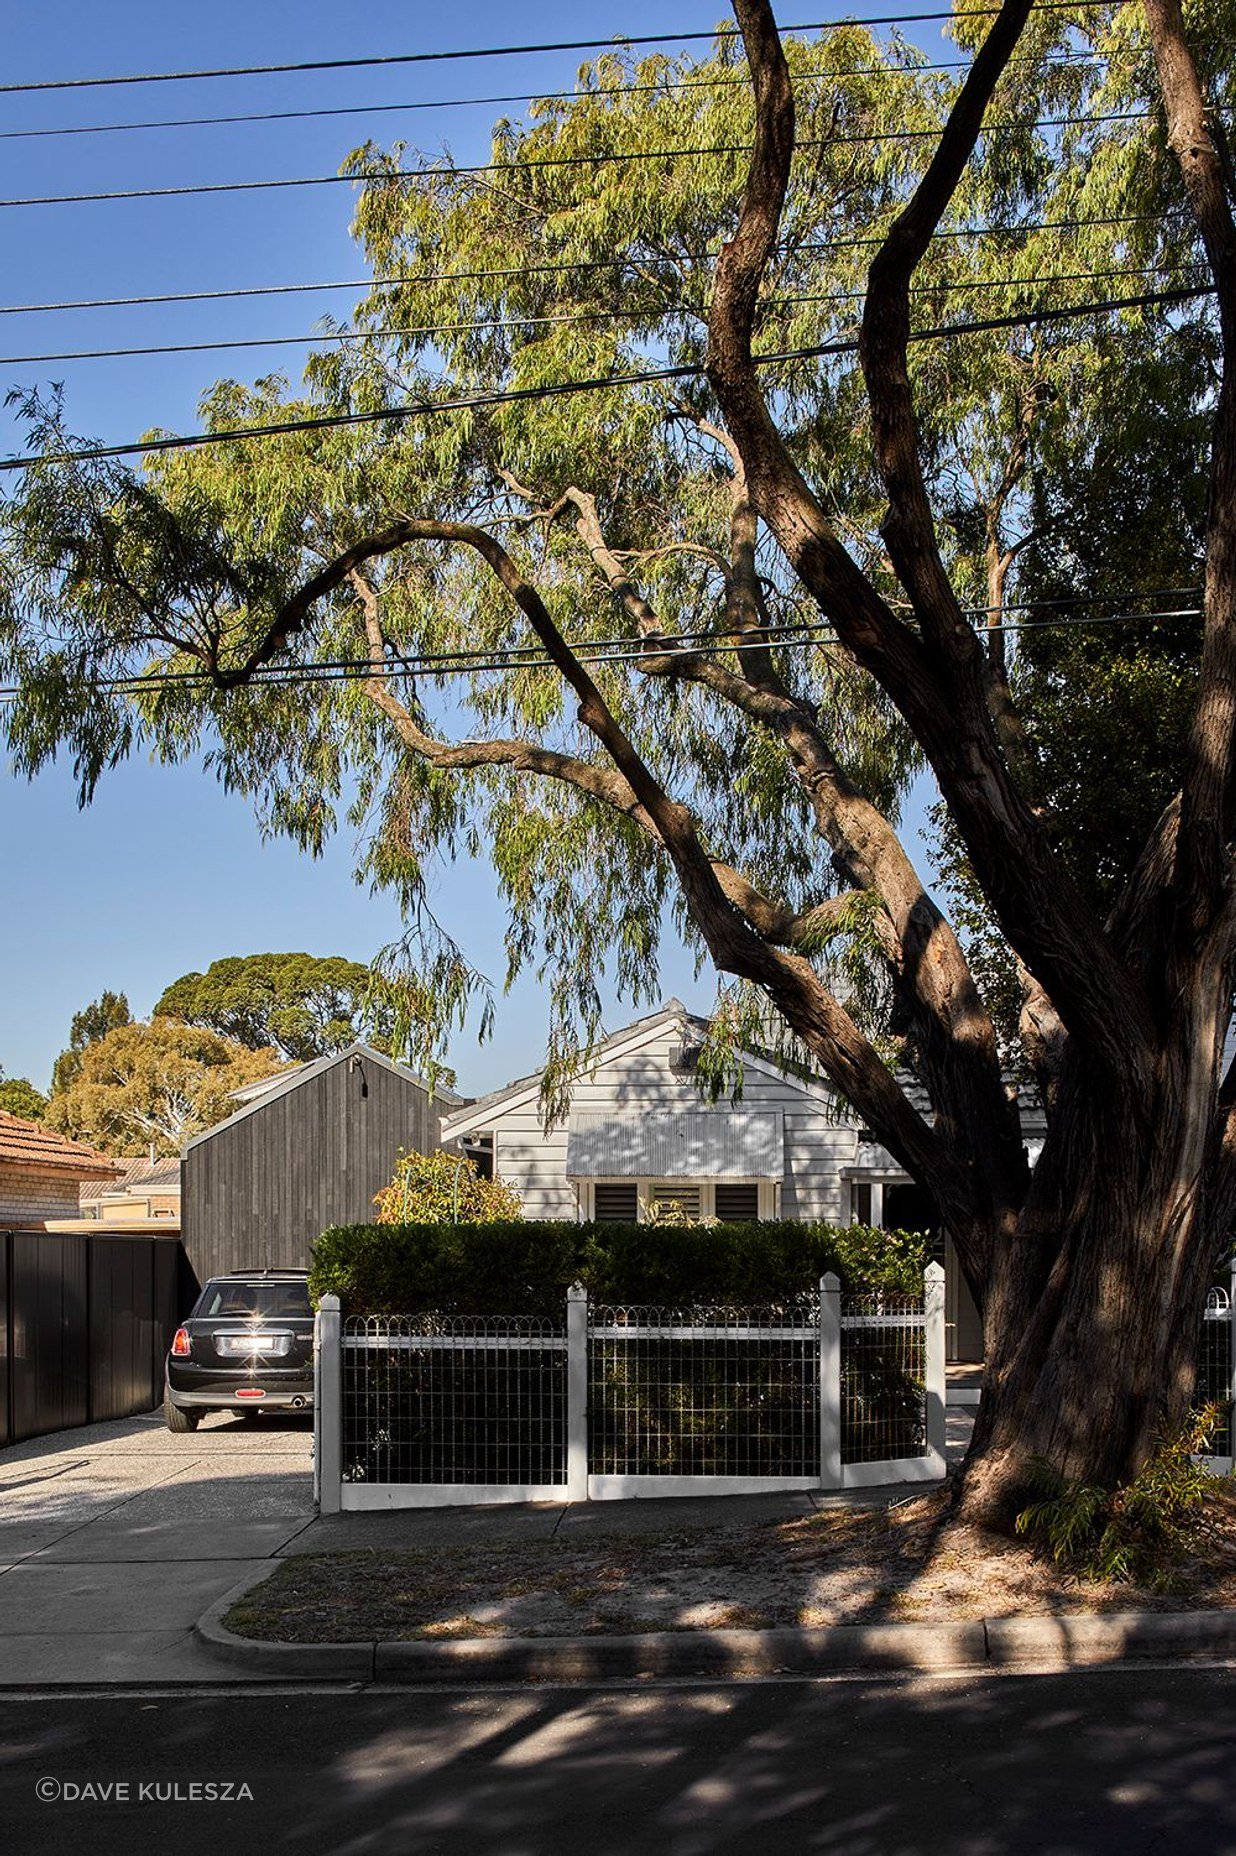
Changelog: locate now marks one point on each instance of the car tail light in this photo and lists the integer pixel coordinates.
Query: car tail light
(180, 1344)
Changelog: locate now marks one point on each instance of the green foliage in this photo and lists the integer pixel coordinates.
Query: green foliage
(156, 1084)
(303, 1005)
(1064, 458)
(20, 1097)
(442, 1188)
(106, 1013)
(527, 1268)
(1139, 1532)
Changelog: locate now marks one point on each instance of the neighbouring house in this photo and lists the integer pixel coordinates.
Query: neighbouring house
(148, 1190)
(305, 1149)
(41, 1173)
(639, 1131)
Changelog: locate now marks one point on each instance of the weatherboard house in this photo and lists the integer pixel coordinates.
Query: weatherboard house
(639, 1131)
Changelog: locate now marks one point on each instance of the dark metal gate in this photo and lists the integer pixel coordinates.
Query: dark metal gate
(85, 1322)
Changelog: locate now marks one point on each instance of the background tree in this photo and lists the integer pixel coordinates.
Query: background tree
(106, 1013)
(19, 1097)
(303, 1005)
(726, 573)
(144, 1086)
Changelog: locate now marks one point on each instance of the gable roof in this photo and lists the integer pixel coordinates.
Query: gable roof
(126, 1170)
(632, 1037)
(30, 1144)
(259, 1095)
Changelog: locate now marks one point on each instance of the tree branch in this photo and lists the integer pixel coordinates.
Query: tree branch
(943, 698)
(1208, 789)
(909, 529)
(732, 936)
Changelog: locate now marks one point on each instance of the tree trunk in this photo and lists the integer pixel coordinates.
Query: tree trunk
(1092, 1316)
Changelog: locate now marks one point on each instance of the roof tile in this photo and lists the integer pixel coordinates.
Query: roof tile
(29, 1143)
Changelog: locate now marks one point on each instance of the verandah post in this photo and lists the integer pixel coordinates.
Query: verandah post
(830, 1381)
(328, 1405)
(935, 1374)
(577, 1394)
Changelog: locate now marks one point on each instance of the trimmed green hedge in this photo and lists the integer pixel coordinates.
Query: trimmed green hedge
(527, 1268)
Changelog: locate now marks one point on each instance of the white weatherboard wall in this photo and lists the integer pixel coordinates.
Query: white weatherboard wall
(642, 1082)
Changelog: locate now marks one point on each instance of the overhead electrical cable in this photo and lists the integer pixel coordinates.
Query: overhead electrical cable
(429, 408)
(533, 163)
(572, 319)
(1017, 230)
(507, 51)
(1062, 60)
(805, 635)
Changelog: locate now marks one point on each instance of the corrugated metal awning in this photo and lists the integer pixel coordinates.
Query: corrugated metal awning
(871, 1161)
(739, 1143)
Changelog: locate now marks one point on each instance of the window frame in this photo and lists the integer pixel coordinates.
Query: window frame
(645, 1183)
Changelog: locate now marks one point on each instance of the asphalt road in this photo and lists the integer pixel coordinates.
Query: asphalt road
(1132, 1760)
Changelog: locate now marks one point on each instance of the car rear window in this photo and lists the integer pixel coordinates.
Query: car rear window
(280, 1299)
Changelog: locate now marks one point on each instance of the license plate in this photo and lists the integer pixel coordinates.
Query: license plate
(244, 1346)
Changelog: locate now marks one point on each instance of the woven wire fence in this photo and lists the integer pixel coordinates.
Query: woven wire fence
(704, 1392)
(438, 1399)
(1214, 1367)
(883, 1378)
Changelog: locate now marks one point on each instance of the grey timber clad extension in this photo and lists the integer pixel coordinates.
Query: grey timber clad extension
(309, 1152)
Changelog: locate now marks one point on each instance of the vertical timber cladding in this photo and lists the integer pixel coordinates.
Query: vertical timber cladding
(6, 1415)
(133, 1314)
(258, 1190)
(48, 1333)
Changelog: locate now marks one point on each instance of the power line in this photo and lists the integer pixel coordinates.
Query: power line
(571, 319)
(581, 265)
(532, 163)
(567, 388)
(1063, 60)
(505, 51)
(803, 635)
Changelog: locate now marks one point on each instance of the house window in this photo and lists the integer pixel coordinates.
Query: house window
(617, 1200)
(635, 1200)
(860, 1200)
(737, 1203)
(684, 1199)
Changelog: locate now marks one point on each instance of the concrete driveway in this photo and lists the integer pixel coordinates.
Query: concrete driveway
(114, 1537)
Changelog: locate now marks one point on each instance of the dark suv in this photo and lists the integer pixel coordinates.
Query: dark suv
(247, 1346)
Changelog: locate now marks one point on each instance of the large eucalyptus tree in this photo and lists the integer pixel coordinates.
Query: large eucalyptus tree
(612, 546)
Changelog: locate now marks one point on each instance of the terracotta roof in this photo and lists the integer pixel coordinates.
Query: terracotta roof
(125, 1170)
(29, 1143)
(163, 1176)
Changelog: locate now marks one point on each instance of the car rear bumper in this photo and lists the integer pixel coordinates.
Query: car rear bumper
(208, 1388)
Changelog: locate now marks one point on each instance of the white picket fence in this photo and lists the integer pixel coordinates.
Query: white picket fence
(616, 1403)
(1216, 1368)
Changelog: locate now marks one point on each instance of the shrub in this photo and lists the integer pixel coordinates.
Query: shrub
(444, 1188)
(519, 1267)
(1138, 1532)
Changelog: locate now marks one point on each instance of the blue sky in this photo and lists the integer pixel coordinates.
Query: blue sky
(165, 872)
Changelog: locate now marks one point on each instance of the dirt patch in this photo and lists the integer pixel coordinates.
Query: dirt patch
(835, 1567)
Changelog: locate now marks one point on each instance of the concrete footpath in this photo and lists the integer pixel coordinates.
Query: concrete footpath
(122, 1547)
(115, 1537)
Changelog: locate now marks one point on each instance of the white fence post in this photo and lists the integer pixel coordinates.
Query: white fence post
(830, 1382)
(935, 1374)
(328, 1405)
(577, 1394)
